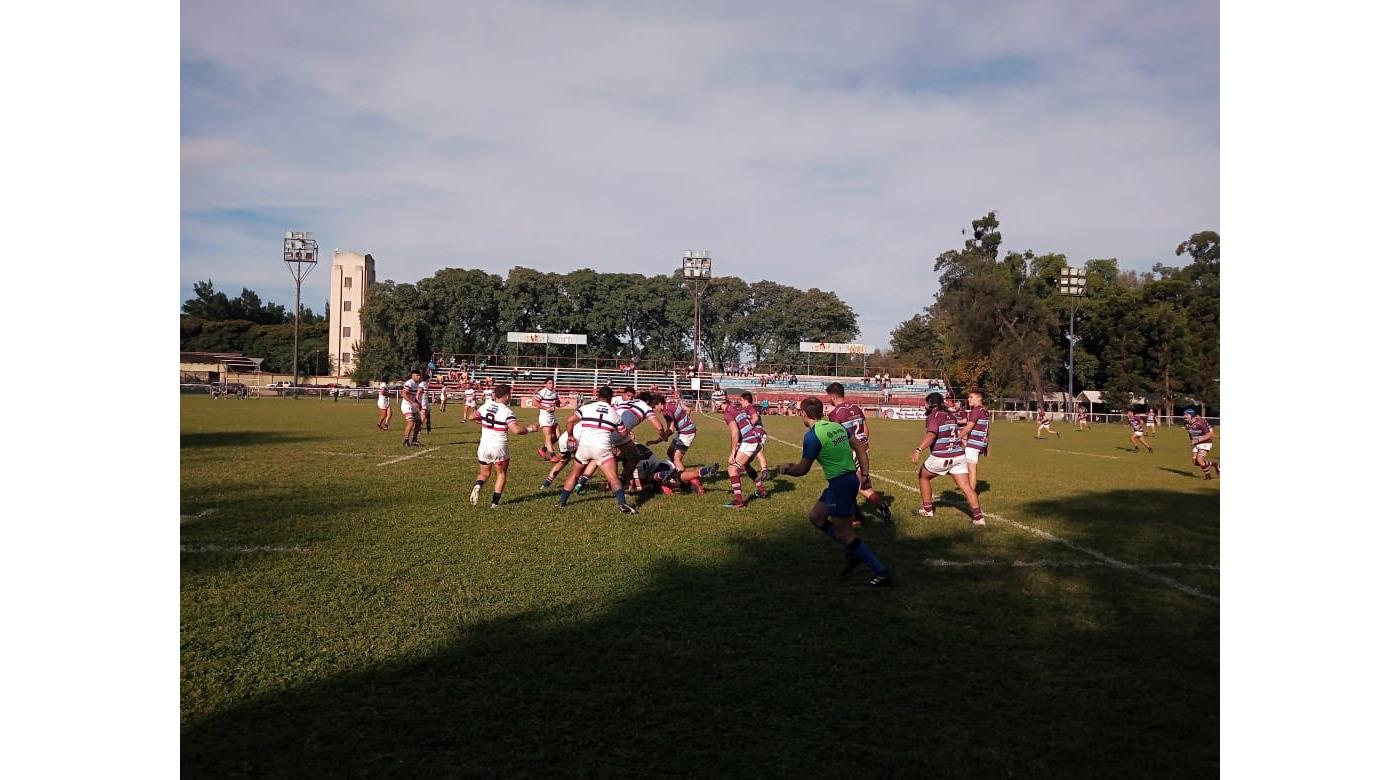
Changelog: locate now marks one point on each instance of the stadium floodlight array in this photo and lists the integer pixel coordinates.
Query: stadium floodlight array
(1072, 281)
(1072, 286)
(695, 264)
(299, 253)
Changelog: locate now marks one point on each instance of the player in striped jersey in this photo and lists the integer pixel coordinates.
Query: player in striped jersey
(497, 421)
(663, 474)
(631, 413)
(1152, 421)
(548, 401)
(676, 422)
(1202, 440)
(976, 434)
(408, 405)
(1137, 421)
(1081, 418)
(946, 456)
(718, 400)
(756, 415)
(425, 405)
(598, 431)
(745, 440)
(383, 404)
(1045, 424)
(568, 443)
(851, 417)
(468, 399)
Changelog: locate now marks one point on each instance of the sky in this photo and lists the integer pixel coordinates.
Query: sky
(835, 145)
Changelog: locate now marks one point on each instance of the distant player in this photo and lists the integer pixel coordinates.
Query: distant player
(851, 417)
(1137, 421)
(1152, 421)
(444, 397)
(976, 433)
(497, 421)
(468, 400)
(1045, 424)
(425, 406)
(745, 440)
(383, 404)
(1202, 440)
(1081, 419)
(946, 456)
(548, 401)
(827, 443)
(410, 407)
(598, 428)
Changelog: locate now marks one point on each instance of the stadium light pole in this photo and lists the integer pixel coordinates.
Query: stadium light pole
(1072, 287)
(695, 268)
(299, 253)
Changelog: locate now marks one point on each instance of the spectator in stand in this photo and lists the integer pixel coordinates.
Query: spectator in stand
(432, 366)
(908, 380)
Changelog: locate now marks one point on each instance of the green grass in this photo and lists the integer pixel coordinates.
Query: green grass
(384, 626)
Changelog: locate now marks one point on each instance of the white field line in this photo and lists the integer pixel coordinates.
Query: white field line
(943, 563)
(409, 456)
(200, 513)
(240, 548)
(353, 454)
(1049, 537)
(1085, 454)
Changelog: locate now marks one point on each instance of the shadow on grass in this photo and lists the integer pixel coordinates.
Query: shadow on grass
(241, 438)
(767, 664)
(1182, 472)
(1145, 525)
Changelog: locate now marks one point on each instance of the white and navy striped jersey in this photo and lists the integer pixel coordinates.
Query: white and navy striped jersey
(495, 418)
(598, 425)
(547, 400)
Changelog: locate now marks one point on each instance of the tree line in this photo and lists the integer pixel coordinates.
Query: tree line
(999, 321)
(213, 322)
(625, 316)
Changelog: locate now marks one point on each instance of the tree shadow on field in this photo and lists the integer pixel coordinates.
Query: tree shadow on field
(1182, 472)
(241, 438)
(1143, 525)
(763, 663)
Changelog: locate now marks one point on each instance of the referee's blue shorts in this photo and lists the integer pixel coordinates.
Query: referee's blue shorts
(840, 495)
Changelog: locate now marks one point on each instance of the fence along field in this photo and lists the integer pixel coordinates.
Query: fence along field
(343, 612)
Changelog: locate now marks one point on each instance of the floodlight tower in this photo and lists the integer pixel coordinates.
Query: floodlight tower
(1072, 287)
(695, 268)
(299, 253)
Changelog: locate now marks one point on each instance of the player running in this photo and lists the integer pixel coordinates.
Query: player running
(598, 428)
(1202, 440)
(1081, 419)
(756, 416)
(946, 456)
(548, 401)
(383, 404)
(1138, 421)
(745, 440)
(1045, 424)
(828, 443)
(976, 433)
(1152, 421)
(409, 406)
(497, 421)
(850, 416)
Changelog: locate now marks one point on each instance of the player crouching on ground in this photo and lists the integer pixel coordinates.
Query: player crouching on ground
(1202, 439)
(664, 476)
(497, 420)
(946, 456)
(598, 428)
(826, 442)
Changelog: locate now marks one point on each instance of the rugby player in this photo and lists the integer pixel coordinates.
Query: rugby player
(676, 421)
(1152, 421)
(1045, 424)
(1136, 421)
(568, 442)
(547, 400)
(1202, 440)
(664, 475)
(946, 456)
(409, 406)
(718, 400)
(425, 405)
(468, 400)
(976, 433)
(756, 416)
(383, 404)
(828, 443)
(745, 440)
(497, 420)
(1081, 418)
(598, 427)
(631, 412)
(850, 416)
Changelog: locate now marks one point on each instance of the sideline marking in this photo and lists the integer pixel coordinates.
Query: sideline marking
(353, 454)
(1085, 454)
(1045, 564)
(200, 513)
(239, 548)
(1046, 535)
(408, 456)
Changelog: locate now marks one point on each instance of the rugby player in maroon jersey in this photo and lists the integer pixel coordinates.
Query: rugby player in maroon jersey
(1202, 440)
(745, 439)
(976, 434)
(946, 456)
(1138, 422)
(850, 416)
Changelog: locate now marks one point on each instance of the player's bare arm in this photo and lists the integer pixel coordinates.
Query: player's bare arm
(924, 444)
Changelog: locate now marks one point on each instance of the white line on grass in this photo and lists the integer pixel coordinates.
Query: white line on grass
(941, 562)
(1085, 454)
(1049, 537)
(411, 455)
(353, 454)
(200, 513)
(240, 548)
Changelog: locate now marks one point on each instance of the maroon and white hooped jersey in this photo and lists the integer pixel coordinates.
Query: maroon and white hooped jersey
(981, 433)
(850, 417)
(944, 426)
(1197, 428)
(495, 418)
(1137, 421)
(547, 400)
(738, 414)
(679, 416)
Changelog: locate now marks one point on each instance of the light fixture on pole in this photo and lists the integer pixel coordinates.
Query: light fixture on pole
(1072, 287)
(695, 267)
(299, 253)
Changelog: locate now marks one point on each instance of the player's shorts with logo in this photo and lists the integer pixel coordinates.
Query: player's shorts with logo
(840, 495)
(492, 453)
(750, 448)
(939, 465)
(588, 452)
(547, 418)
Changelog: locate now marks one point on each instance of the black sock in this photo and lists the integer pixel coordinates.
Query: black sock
(495, 498)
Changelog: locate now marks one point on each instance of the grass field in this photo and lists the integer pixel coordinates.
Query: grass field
(346, 612)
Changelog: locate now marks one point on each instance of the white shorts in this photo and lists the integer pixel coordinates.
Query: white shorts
(547, 418)
(384, 403)
(750, 448)
(408, 410)
(492, 453)
(589, 453)
(1045, 426)
(954, 465)
(971, 455)
(1137, 434)
(1205, 447)
(686, 439)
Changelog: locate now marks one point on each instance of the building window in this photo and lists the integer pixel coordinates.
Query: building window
(344, 358)
(346, 306)
(349, 282)
(345, 331)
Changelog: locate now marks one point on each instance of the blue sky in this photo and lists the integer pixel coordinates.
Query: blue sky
(838, 145)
